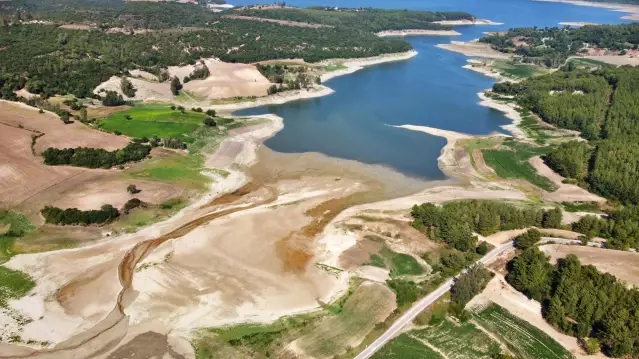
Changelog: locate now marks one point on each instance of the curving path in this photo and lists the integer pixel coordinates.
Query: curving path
(432, 297)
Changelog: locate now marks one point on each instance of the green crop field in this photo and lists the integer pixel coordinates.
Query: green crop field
(405, 347)
(521, 337)
(457, 340)
(511, 162)
(153, 120)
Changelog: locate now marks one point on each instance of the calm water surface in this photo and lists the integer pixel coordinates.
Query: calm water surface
(430, 89)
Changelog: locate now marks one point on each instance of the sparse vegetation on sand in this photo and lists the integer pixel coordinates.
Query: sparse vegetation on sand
(13, 285)
(184, 169)
(521, 337)
(511, 162)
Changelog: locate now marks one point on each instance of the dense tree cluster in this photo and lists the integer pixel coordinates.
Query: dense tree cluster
(552, 46)
(95, 157)
(112, 98)
(528, 239)
(74, 216)
(603, 105)
(455, 222)
(51, 60)
(580, 300)
(469, 284)
(570, 159)
(620, 227)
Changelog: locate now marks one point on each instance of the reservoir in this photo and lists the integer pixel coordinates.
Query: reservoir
(431, 89)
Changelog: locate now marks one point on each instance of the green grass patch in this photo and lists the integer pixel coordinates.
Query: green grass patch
(13, 285)
(335, 67)
(153, 120)
(458, 340)
(405, 347)
(12, 226)
(588, 63)
(522, 338)
(184, 170)
(400, 264)
(480, 144)
(377, 261)
(511, 162)
(518, 70)
(581, 206)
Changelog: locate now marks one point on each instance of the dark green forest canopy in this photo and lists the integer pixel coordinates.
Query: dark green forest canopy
(552, 46)
(580, 300)
(54, 60)
(603, 106)
(371, 20)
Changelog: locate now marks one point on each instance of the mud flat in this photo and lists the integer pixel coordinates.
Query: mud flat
(474, 49)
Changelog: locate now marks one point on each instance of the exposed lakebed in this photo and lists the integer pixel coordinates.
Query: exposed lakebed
(431, 89)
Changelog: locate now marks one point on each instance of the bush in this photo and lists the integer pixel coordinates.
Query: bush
(113, 98)
(209, 122)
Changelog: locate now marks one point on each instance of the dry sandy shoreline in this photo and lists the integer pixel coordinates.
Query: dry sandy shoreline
(351, 65)
(633, 10)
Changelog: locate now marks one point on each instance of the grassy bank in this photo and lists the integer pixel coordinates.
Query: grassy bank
(511, 161)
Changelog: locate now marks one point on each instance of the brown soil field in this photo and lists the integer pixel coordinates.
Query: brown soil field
(622, 264)
(22, 174)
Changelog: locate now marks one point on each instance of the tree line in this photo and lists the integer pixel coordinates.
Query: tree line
(580, 301)
(367, 19)
(455, 222)
(95, 157)
(73, 216)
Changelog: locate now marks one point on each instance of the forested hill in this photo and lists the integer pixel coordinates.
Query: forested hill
(372, 20)
(604, 106)
(552, 46)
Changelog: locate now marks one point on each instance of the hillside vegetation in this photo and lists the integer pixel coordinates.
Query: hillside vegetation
(552, 46)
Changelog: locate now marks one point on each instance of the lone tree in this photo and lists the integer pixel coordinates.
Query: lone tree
(210, 113)
(127, 87)
(132, 189)
(176, 86)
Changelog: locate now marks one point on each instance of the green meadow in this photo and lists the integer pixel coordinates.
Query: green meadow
(153, 120)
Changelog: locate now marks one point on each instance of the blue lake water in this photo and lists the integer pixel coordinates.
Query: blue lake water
(430, 89)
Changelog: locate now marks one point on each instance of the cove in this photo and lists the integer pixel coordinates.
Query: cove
(431, 89)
